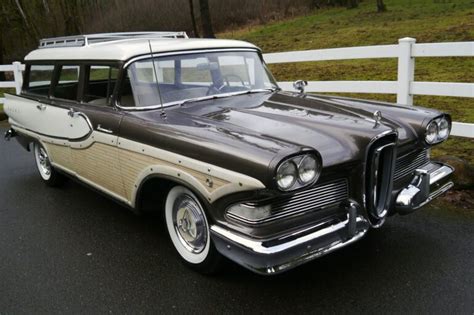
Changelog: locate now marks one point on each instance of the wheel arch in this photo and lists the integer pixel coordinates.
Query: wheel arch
(145, 199)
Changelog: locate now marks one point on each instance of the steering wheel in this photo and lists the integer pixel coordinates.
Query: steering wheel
(225, 77)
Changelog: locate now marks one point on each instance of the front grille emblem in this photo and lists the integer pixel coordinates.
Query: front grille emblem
(377, 118)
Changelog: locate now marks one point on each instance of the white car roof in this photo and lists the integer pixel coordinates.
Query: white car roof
(125, 49)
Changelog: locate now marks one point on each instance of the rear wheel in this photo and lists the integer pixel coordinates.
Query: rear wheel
(48, 174)
(189, 231)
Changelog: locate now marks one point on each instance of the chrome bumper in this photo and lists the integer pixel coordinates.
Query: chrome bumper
(427, 183)
(273, 256)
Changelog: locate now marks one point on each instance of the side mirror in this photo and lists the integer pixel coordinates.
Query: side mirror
(299, 85)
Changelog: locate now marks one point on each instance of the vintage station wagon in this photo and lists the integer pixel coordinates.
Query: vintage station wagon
(199, 130)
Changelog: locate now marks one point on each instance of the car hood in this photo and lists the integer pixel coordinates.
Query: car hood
(290, 123)
(252, 133)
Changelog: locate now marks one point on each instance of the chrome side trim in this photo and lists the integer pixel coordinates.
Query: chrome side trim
(101, 129)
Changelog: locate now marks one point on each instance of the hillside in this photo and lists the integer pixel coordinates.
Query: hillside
(425, 20)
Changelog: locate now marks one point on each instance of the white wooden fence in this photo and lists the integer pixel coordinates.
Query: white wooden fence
(17, 69)
(405, 87)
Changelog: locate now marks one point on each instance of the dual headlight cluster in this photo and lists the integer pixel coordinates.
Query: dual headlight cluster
(298, 171)
(437, 130)
(293, 173)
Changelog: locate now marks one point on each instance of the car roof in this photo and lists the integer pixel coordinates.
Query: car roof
(124, 49)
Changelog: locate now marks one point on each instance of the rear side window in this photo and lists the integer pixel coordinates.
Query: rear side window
(100, 84)
(68, 82)
(40, 79)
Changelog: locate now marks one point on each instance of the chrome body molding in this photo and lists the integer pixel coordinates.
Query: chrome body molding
(271, 256)
(427, 183)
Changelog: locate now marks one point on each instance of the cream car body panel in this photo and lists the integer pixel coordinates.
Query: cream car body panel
(51, 121)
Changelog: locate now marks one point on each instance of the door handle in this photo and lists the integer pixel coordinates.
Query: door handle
(99, 128)
(41, 107)
(72, 113)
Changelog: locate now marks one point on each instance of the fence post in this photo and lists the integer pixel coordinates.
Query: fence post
(18, 76)
(406, 70)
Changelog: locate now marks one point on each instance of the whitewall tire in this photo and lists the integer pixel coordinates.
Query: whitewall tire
(48, 174)
(189, 230)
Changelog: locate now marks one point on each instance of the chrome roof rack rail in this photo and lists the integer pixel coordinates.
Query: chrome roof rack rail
(86, 40)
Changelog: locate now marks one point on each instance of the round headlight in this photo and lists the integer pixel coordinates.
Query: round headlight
(308, 169)
(431, 132)
(443, 126)
(286, 175)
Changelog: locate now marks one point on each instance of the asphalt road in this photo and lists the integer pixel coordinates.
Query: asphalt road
(71, 250)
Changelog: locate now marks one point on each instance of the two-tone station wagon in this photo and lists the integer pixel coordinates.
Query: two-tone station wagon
(198, 129)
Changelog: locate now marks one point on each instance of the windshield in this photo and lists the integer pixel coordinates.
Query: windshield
(194, 76)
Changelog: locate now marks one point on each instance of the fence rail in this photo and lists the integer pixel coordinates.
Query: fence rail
(16, 68)
(405, 87)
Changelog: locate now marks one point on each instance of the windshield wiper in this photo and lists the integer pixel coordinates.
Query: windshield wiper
(216, 96)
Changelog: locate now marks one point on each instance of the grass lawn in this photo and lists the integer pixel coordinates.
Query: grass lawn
(425, 20)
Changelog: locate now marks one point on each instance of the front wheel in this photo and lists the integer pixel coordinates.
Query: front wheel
(48, 174)
(189, 231)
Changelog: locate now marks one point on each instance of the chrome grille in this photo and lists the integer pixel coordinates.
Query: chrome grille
(407, 164)
(379, 180)
(318, 197)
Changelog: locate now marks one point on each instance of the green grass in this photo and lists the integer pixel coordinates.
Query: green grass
(425, 20)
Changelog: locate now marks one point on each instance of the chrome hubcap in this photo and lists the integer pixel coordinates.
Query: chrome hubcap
(43, 162)
(189, 224)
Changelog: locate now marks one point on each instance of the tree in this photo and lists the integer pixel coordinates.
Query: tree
(206, 22)
(30, 27)
(352, 4)
(381, 6)
(2, 16)
(193, 18)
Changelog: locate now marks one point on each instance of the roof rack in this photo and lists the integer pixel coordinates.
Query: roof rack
(86, 40)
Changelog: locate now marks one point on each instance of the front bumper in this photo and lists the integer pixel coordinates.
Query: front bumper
(272, 256)
(428, 182)
(279, 254)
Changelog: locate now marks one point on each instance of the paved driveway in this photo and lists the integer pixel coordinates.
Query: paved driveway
(71, 250)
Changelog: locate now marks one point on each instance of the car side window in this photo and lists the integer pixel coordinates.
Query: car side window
(39, 80)
(68, 82)
(100, 84)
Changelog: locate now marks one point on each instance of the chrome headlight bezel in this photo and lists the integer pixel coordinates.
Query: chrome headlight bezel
(437, 130)
(300, 163)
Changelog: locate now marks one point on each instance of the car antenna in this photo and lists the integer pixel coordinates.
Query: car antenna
(163, 113)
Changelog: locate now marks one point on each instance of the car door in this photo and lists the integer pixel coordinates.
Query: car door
(95, 159)
(37, 112)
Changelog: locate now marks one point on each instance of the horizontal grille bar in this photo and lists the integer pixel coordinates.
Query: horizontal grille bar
(311, 199)
(407, 164)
